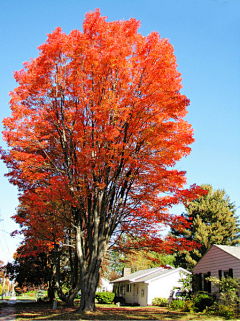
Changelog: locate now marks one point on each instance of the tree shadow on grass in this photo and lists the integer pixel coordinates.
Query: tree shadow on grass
(43, 311)
(123, 313)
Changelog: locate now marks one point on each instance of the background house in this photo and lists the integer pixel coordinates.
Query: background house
(219, 261)
(104, 286)
(143, 286)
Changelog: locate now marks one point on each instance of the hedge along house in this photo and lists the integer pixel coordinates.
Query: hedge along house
(220, 261)
(141, 287)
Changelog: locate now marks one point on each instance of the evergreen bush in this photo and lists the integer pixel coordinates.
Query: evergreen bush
(201, 301)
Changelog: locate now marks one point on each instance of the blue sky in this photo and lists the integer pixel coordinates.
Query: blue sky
(206, 39)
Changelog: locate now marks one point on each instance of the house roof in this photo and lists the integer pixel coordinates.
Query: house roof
(148, 275)
(160, 273)
(232, 250)
(155, 275)
(137, 274)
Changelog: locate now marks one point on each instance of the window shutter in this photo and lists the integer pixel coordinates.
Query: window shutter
(195, 282)
(220, 274)
(200, 282)
(231, 273)
(209, 283)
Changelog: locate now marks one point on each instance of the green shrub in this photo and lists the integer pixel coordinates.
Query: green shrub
(222, 310)
(229, 299)
(188, 306)
(226, 311)
(161, 302)
(228, 288)
(177, 304)
(105, 297)
(201, 301)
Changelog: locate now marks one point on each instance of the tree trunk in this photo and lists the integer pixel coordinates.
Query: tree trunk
(89, 283)
(72, 295)
(87, 302)
(70, 301)
(51, 294)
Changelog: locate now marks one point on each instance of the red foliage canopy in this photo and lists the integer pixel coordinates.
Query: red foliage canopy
(97, 126)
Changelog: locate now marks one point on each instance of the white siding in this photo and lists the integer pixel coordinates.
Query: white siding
(217, 259)
(163, 286)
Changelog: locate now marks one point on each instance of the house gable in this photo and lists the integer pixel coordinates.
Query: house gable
(164, 285)
(219, 261)
(218, 258)
(167, 273)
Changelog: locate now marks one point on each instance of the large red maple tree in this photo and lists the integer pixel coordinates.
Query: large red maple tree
(97, 126)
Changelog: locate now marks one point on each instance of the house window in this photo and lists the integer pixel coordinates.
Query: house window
(128, 288)
(116, 289)
(228, 273)
(142, 293)
(225, 273)
(200, 282)
(121, 290)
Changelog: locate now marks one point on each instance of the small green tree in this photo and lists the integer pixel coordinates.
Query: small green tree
(229, 301)
(228, 288)
(213, 222)
(186, 280)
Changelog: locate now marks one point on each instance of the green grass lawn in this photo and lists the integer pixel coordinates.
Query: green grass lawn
(45, 311)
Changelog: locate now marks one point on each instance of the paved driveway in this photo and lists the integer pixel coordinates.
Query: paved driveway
(8, 312)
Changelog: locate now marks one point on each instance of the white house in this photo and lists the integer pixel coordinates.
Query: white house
(219, 261)
(143, 286)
